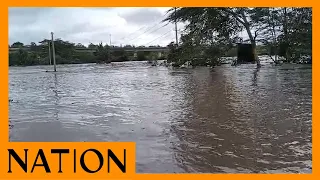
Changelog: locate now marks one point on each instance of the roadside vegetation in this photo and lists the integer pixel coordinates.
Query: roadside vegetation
(211, 33)
(68, 53)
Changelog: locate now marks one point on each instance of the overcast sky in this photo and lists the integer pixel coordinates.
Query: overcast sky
(135, 26)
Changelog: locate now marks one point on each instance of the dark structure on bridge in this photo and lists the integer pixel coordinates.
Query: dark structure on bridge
(245, 53)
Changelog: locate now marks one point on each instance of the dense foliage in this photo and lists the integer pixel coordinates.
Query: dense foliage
(212, 32)
(209, 34)
(66, 53)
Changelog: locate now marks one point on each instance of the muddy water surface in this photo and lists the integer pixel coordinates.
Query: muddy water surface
(221, 120)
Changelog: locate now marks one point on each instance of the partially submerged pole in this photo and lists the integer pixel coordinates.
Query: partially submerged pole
(49, 53)
(53, 53)
(175, 24)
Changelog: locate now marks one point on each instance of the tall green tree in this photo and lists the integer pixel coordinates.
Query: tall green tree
(208, 25)
(17, 45)
(297, 38)
(103, 54)
(79, 45)
(212, 27)
(92, 46)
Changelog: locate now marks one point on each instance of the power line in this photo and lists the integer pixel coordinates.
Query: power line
(133, 32)
(149, 28)
(144, 31)
(158, 28)
(149, 32)
(163, 35)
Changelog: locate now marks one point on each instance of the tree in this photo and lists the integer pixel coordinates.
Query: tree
(267, 29)
(205, 27)
(64, 49)
(174, 55)
(22, 57)
(34, 47)
(288, 32)
(32, 59)
(103, 54)
(33, 44)
(79, 45)
(17, 45)
(92, 46)
(298, 35)
(141, 56)
(288, 28)
(210, 25)
(119, 55)
(45, 42)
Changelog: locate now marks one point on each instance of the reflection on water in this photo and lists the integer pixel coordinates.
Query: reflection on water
(222, 120)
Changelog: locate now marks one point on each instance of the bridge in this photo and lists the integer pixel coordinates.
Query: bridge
(92, 50)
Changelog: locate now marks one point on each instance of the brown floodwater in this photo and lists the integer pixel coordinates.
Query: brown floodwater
(221, 120)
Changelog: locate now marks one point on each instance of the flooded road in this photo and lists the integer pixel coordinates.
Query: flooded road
(202, 120)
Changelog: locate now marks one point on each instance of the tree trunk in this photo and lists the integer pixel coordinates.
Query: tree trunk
(252, 39)
(254, 46)
(254, 52)
(274, 36)
(285, 31)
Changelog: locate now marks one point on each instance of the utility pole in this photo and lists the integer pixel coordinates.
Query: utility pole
(110, 40)
(109, 53)
(49, 53)
(53, 53)
(175, 22)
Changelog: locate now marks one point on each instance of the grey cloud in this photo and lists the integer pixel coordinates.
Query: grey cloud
(99, 8)
(80, 28)
(22, 11)
(143, 16)
(24, 16)
(29, 36)
(85, 25)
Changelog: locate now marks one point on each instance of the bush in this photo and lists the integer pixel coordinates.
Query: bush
(141, 56)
